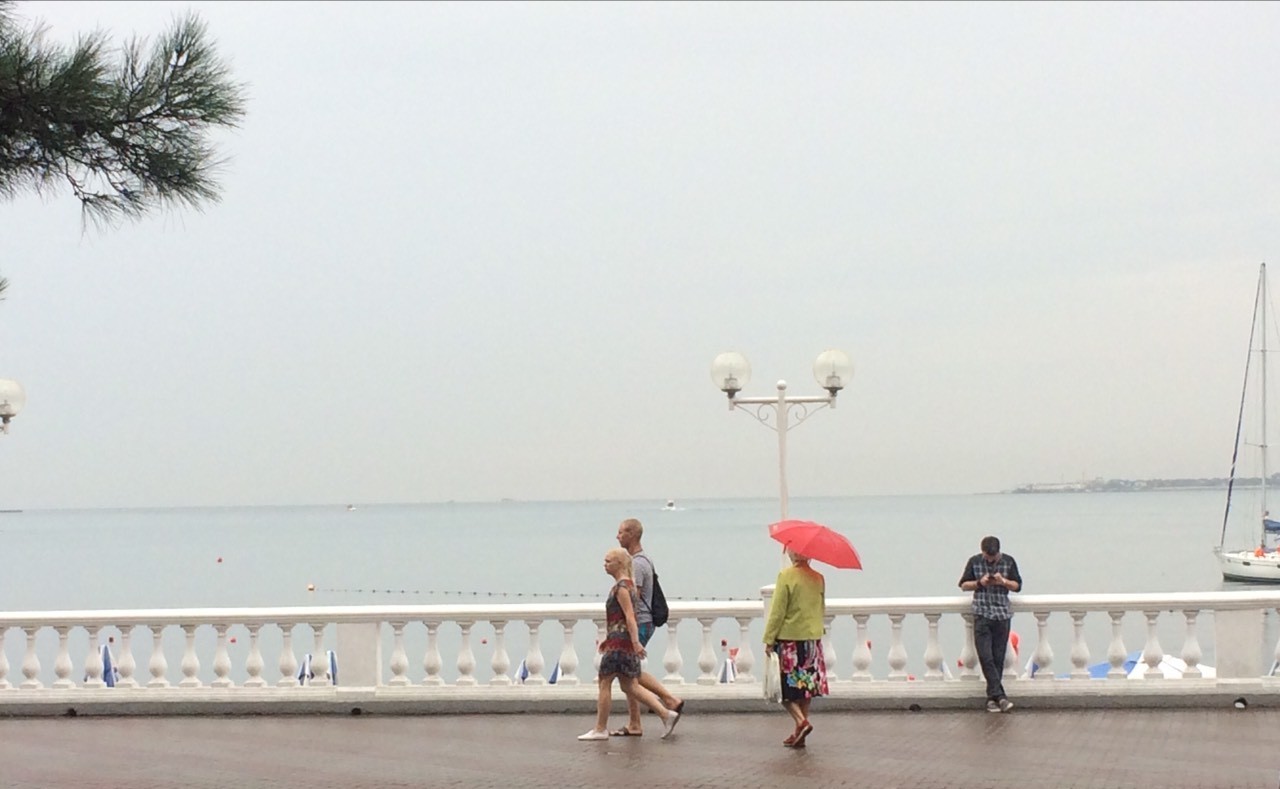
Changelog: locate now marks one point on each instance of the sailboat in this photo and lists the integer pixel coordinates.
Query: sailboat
(1259, 562)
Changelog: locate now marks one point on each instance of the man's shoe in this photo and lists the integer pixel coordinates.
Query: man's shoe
(1005, 705)
(992, 706)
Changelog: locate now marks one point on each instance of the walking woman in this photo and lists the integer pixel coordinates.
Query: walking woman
(621, 651)
(794, 631)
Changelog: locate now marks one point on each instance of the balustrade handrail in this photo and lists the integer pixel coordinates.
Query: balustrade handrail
(686, 609)
(689, 609)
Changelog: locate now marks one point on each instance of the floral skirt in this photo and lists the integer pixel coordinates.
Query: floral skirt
(626, 664)
(804, 670)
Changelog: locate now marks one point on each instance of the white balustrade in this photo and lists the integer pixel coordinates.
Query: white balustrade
(921, 632)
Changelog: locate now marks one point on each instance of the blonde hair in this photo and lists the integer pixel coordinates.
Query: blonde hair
(797, 557)
(623, 556)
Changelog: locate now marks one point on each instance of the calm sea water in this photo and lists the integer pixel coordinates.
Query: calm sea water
(553, 551)
(530, 551)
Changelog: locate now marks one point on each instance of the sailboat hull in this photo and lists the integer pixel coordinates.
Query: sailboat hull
(1247, 566)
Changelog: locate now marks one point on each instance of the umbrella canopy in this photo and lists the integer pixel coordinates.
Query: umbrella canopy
(817, 542)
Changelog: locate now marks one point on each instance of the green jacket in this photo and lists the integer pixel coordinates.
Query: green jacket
(798, 606)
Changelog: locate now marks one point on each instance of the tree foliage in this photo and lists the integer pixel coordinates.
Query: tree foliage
(126, 128)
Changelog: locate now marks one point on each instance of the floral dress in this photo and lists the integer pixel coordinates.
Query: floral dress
(617, 653)
(804, 669)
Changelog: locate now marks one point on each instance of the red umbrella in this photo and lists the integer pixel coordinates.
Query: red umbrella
(817, 542)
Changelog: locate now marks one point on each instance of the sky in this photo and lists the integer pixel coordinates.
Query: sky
(480, 250)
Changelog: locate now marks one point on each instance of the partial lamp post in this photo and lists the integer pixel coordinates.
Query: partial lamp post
(12, 399)
(833, 372)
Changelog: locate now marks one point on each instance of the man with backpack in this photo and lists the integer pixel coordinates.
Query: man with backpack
(650, 613)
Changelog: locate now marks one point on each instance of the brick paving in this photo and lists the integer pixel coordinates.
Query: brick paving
(1085, 749)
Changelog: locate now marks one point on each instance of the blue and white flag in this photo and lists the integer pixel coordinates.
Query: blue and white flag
(305, 674)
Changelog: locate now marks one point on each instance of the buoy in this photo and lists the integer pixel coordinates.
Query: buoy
(311, 587)
(233, 639)
(484, 641)
(1013, 640)
(219, 560)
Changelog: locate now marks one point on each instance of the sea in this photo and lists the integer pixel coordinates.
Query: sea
(528, 551)
(552, 551)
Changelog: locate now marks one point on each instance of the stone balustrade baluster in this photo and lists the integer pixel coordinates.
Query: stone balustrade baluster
(1191, 647)
(568, 655)
(1079, 648)
(1276, 655)
(221, 659)
(93, 666)
(319, 658)
(707, 655)
(190, 662)
(933, 650)
(746, 659)
(1116, 652)
(1043, 654)
(500, 663)
(1152, 653)
(533, 660)
(288, 663)
(4, 663)
(672, 660)
(399, 658)
(466, 657)
(30, 661)
(861, 650)
(157, 665)
(126, 663)
(254, 664)
(897, 652)
(830, 657)
(62, 664)
(968, 653)
(431, 661)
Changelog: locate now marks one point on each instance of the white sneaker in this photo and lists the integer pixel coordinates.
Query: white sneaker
(595, 735)
(1005, 705)
(670, 723)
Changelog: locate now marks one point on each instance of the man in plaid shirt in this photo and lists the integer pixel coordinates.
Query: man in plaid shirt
(991, 576)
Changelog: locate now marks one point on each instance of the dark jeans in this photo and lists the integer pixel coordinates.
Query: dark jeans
(991, 639)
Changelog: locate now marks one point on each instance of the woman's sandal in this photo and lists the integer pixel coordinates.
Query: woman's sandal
(791, 741)
(802, 731)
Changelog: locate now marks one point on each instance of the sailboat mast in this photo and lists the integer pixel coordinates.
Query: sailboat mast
(1263, 445)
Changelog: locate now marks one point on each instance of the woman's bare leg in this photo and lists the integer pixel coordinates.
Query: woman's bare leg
(635, 690)
(793, 709)
(603, 701)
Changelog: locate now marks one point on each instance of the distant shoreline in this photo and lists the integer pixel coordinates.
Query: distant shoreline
(1141, 485)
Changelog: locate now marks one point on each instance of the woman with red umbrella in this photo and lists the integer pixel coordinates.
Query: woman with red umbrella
(794, 630)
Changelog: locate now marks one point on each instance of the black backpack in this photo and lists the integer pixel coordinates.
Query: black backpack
(658, 604)
(659, 608)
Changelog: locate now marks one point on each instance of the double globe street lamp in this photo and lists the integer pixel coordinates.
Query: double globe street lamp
(832, 370)
(12, 399)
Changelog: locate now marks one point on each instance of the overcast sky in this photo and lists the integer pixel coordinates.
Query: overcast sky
(473, 251)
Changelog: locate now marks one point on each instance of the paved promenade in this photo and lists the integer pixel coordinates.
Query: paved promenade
(1033, 748)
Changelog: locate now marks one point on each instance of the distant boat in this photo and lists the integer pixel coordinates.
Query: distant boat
(1259, 562)
(351, 508)
(671, 505)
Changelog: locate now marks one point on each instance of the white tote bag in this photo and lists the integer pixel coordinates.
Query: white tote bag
(772, 678)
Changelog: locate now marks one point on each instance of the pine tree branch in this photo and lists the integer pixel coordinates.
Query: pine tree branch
(127, 137)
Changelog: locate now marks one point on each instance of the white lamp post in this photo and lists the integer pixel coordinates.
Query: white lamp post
(12, 399)
(730, 373)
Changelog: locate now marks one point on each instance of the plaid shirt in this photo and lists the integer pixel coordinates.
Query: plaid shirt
(991, 602)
